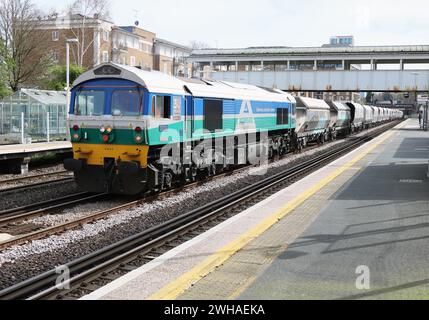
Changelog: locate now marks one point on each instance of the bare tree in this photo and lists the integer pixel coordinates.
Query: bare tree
(24, 51)
(83, 15)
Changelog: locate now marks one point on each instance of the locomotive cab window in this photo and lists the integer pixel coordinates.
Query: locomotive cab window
(126, 103)
(161, 106)
(282, 116)
(213, 110)
(89, 103)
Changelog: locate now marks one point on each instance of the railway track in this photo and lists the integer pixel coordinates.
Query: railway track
(42, 175)
(94, 270)
(40, 208)
(36, 184)
(19, 214)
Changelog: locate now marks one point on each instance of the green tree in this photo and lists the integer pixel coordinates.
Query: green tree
(387, 96)
(369, 97)
(57, 76)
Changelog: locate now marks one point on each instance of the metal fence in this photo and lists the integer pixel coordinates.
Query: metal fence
(25, 120)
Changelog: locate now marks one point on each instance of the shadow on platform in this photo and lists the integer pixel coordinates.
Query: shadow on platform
(414, 148)
(393, 182)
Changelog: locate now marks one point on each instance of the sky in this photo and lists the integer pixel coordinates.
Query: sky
(245, 23)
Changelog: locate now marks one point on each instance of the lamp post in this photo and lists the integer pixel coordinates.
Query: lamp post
(68, 68)
(68, 76)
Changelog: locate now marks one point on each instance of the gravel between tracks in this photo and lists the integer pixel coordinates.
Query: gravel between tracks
(25, 197)
(21, 262)
(33, 172)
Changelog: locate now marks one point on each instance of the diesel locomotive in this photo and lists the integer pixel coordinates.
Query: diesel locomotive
(122, 119)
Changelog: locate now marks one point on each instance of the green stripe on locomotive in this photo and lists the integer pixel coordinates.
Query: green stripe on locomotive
(173, 132)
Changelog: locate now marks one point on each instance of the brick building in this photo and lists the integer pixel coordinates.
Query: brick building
(102, 41)
(171, 57)
(94, 37)
(132, 46)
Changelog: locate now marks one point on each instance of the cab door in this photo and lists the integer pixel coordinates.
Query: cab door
(189, 117)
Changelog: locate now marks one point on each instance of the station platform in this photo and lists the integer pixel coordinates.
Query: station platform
(18, 155)
(18, 150)
(356, 229)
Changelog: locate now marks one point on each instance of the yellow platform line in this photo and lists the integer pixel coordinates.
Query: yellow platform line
(178, 286)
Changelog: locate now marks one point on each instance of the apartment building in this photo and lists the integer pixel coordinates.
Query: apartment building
(171, 58)
(133, 46)
(102, 41)
(94, 37)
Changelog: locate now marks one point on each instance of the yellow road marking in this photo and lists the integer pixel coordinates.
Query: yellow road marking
(175, 288)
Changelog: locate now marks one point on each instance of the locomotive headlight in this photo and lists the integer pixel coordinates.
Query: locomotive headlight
(76, 136)
(138, 138)
(109, 129)
(102, 129)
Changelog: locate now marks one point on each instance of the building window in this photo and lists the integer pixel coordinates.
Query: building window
(105, 56)
(165, 67)
(105, 35)
(132, 61)
(55, 35)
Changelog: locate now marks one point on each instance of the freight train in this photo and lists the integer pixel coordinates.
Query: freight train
(122, 119)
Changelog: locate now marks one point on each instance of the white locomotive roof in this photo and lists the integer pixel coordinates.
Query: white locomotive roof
(311, 103)
(154, 81)
(158, 82)
(231, 90)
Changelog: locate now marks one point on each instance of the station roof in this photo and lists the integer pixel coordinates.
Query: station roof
(311, 50)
